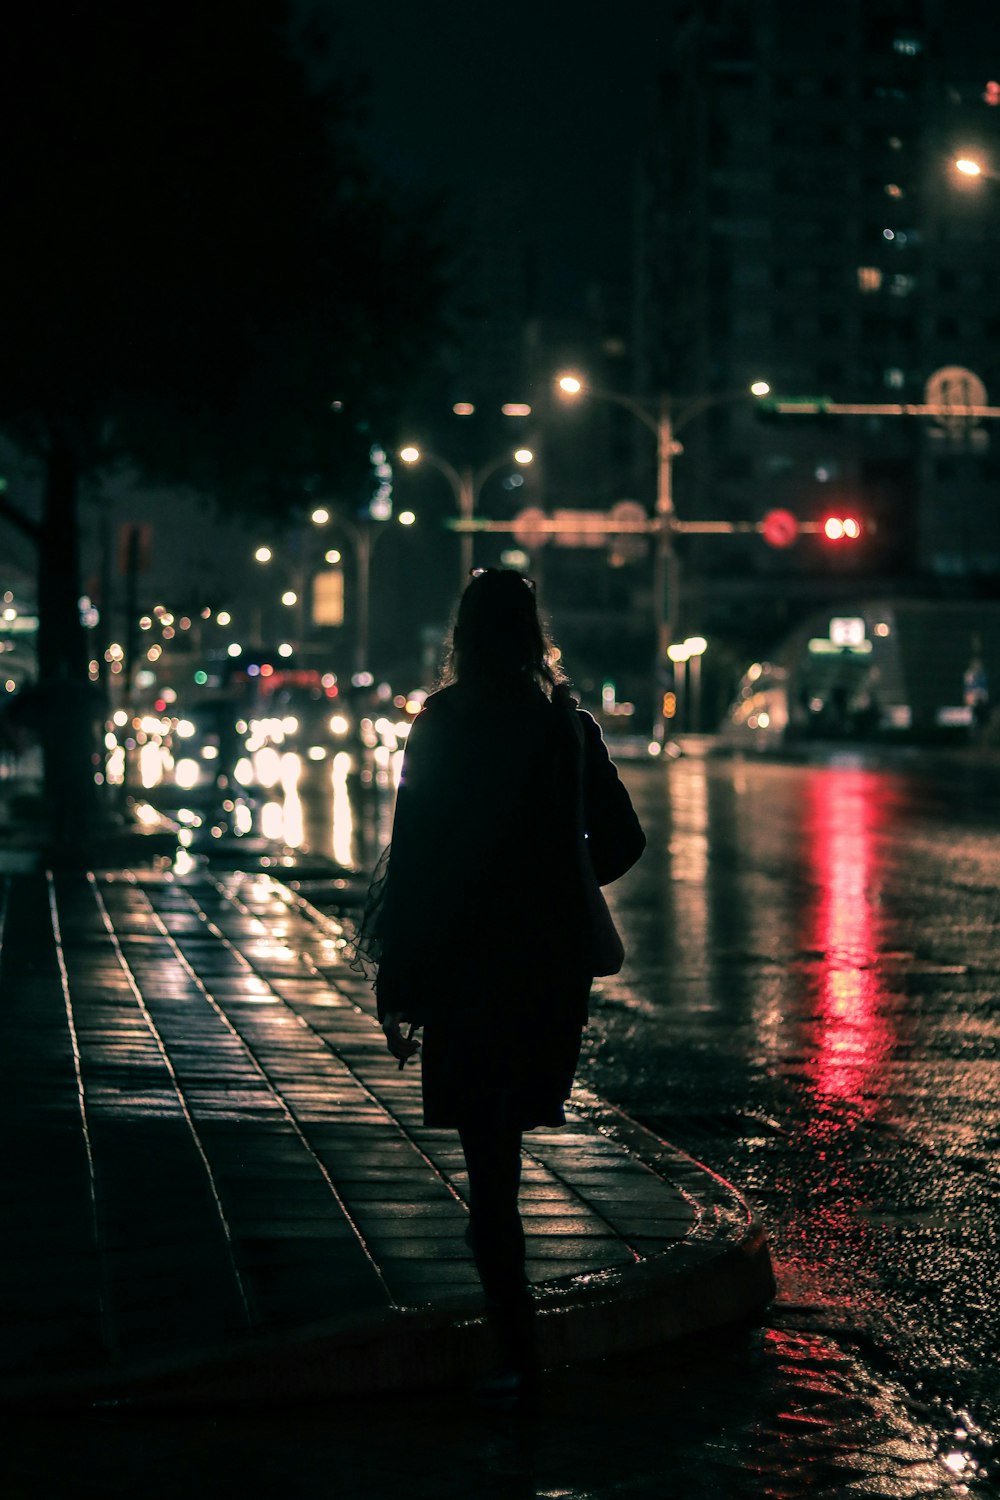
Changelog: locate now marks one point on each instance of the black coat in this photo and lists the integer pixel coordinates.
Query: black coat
(484, 925)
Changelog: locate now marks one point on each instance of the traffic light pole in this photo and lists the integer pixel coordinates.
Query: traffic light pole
(666, 568)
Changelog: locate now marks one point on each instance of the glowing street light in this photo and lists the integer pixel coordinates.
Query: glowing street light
(320, 516)
(465, 485)
(687, 655)
(664, 421)
(974, 170)
(406, 518)
(263, 554)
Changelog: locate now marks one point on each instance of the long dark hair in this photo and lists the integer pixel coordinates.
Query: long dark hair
(498, 635)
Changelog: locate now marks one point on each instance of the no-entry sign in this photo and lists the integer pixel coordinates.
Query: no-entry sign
(780, 528)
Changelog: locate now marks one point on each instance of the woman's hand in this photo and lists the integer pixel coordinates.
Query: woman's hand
(402, 1047)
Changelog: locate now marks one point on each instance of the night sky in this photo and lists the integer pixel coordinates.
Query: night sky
(541, 93)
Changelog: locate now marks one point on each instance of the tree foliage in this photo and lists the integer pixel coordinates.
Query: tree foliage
(197, 259)
(197, 267)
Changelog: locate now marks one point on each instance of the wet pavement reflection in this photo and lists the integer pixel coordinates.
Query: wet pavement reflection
(809, 1006)
(765, 1413)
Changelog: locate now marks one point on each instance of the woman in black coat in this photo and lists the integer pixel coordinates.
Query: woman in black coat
(484, 923)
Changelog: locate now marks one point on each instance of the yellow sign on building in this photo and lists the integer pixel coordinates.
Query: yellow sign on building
(328, 598)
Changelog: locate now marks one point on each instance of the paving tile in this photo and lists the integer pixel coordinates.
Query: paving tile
(290, 1081)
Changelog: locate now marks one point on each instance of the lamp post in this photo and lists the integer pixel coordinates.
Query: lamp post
(664, 421)
(687, 654)
(291, 598)
(466, 484)
(364, 538)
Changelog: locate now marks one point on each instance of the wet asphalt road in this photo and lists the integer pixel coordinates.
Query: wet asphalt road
(809, 1006)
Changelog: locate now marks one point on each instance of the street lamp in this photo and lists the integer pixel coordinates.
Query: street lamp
(973, 167)
(466, 484)
(664, 421)
(364, 538)
(688, 654)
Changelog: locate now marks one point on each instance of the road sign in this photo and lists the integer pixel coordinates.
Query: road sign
(805, 405)
(628, 547)
(580, 528)
(780, 528)
(529, 527)
(956, 391)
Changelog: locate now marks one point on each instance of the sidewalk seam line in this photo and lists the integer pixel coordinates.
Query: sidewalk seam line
(278, 1096)
(168, 1063)
(317, 973)
(103, 1284)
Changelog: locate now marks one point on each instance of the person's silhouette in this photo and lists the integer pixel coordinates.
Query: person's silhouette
(482, 922)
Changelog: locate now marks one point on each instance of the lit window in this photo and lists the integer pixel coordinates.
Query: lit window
(869, 278)
(894, 378)
(906, 46)
(901, 285)
(893, 190)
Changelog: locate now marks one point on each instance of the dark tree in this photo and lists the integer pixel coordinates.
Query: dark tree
(199, 274)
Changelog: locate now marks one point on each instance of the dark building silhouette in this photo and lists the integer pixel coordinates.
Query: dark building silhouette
(803, 222)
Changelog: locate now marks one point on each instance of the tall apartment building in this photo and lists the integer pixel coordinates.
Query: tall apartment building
(804, 223)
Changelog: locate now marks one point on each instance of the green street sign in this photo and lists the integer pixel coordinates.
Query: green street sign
(792, 404)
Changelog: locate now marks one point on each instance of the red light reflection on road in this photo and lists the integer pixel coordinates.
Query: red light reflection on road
(845, 813)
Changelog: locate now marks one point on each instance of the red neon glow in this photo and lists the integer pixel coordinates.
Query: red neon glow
(846, 812)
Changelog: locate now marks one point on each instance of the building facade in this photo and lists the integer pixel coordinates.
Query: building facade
(803, 223)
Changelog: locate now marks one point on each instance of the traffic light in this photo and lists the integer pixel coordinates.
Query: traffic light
(841, 528)
(669, 705)
(991, 93)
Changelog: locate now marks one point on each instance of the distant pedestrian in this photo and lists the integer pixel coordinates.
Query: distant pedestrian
(976, 691)
(486, 922)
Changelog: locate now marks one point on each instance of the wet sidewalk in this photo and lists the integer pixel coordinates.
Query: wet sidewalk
(215, 1183)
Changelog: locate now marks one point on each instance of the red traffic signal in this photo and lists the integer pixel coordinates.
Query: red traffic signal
(842, 528)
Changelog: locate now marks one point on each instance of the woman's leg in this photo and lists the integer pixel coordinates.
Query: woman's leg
(493, 1158)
